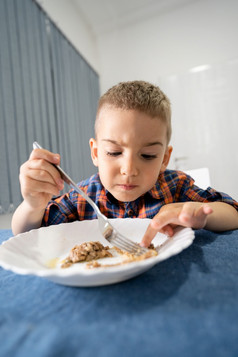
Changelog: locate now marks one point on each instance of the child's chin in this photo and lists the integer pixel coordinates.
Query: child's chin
(125, 197)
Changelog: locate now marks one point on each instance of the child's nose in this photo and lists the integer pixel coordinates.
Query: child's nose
(129, 167)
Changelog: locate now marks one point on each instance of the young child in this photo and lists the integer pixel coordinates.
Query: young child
(131, 150)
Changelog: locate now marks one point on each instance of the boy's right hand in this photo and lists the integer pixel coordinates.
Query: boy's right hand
(39, 179)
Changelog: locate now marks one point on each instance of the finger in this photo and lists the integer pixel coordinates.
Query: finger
(207, 209)
(41, 170)
(42, 177)
(152, 231)
(30, 187)
(164, 219)
(190, 211)
(148, 236)
(187, 212)
(167, 230)
(195, 216)
(200, 219)
(46, 155)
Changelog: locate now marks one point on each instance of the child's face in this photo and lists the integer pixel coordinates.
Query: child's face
(130, 151)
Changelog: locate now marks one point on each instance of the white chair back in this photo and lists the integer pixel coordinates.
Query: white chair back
(201, 177)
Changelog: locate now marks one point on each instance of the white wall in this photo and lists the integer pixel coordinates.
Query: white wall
(205, 125)
(202, 32)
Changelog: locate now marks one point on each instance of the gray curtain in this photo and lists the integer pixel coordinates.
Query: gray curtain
(48, 93)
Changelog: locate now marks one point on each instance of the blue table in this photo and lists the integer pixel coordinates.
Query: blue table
(185, 306)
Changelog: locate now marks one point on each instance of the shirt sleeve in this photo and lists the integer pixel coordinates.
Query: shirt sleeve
(72, 206)
(61, 210)
(188, 191)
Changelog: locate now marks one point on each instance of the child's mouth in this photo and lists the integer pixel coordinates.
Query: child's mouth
(127, 187)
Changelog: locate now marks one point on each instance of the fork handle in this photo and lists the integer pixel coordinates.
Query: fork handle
(71, 183)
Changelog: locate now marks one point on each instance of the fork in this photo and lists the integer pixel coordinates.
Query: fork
(110, 233)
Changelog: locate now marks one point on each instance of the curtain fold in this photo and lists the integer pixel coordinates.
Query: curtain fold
(48, 93)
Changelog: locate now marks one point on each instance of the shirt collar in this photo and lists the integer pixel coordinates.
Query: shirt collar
(110, 197)
(154, 192)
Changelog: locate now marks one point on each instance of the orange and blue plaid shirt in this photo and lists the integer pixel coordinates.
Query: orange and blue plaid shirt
(172, 186)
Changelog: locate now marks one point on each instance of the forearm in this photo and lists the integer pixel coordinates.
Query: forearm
(223, 218)
(25, 218)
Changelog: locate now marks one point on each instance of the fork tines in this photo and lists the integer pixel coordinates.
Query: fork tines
(125, 244)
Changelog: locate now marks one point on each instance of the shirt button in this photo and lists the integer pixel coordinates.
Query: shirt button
(131, 213)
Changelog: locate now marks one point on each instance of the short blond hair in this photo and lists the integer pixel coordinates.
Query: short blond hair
(138, 95)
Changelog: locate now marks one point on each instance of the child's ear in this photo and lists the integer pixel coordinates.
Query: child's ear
(94, 151)
(166, 158)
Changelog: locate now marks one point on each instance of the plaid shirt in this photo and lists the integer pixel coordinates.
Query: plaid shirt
(171, 186)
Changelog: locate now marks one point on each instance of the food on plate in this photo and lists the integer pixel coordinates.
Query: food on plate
(126, 258)
(92, 251)
(85, 252)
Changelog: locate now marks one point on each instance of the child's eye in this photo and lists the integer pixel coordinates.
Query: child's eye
(115, 153)
(148, 156)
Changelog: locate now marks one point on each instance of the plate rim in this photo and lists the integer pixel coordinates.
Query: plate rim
(48, 273)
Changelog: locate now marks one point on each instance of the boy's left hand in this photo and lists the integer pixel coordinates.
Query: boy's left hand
(170, 216)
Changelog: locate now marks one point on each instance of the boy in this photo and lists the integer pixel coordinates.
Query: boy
(131, 150)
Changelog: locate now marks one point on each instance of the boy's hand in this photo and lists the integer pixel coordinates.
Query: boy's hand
(189, 214)
(39, 179)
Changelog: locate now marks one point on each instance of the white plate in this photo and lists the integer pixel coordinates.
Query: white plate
(40, 251)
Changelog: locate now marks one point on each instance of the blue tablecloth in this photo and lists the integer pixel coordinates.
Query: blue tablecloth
(185, 306)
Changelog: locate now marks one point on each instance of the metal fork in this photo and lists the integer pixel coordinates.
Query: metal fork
(107, 230)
